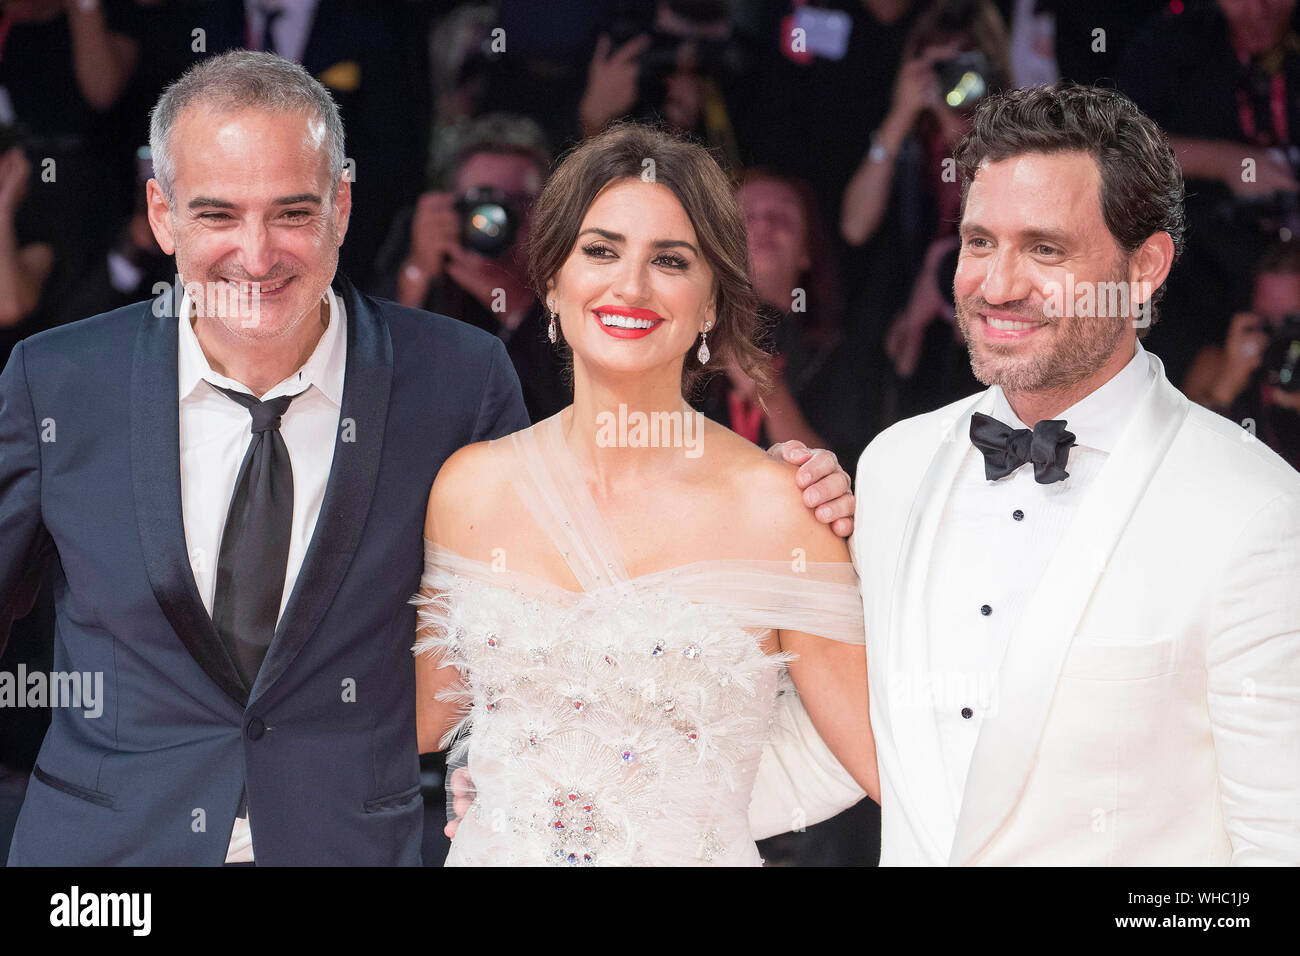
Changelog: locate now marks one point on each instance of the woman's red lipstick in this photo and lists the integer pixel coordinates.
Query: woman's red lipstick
(643, 315)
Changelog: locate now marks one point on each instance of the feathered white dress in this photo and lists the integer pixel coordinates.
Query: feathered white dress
(622, 724)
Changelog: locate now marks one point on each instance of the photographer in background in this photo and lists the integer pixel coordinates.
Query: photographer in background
(1223, 80)
(905, 200)
(817, 393)
(1253, 375)
(1249, 50)
(782, 236)
(957, 52)
(133, 266)
(673, 59)
(461, 250)
(64, 69)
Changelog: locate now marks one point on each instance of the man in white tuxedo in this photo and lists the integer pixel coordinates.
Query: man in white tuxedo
(1082, 591)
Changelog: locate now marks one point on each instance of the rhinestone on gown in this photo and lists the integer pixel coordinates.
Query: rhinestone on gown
(621, 724)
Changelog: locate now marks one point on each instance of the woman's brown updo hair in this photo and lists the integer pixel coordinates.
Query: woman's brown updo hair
(686, 168)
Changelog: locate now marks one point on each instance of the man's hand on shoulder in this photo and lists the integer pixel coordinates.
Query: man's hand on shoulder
(826, 486)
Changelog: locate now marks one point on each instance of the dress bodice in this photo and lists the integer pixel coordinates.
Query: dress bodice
(620, 724)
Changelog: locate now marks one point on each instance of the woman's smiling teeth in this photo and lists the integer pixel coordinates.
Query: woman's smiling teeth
(623, 321)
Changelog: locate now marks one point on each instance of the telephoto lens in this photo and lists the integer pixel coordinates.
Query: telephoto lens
(488, 221)
(963, 80)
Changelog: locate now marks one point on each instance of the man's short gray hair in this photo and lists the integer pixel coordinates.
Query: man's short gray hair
(237, 80)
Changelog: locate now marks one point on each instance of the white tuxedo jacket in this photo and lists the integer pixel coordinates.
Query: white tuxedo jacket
(1149, 697)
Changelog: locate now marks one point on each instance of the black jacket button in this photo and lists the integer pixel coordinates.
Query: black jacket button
(985, 610)
(255, 728)
(1018, 515)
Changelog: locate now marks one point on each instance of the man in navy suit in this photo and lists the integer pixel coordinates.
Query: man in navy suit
(232, 481)
(222, 710)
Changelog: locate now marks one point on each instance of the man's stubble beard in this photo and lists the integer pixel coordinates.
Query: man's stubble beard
(1080, 347)
(234, 324)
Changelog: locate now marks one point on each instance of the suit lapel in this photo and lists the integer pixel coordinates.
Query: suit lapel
(910, 711)
(355, 469)
(156, 476)
(1037, 649)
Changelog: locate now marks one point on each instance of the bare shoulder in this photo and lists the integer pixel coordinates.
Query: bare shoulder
(771, 516)
(466, 496)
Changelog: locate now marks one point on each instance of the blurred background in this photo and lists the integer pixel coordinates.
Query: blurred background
(836, 119)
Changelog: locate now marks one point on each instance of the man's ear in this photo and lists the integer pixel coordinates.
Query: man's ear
(343, 204)
(160, 217)
(1151, 264)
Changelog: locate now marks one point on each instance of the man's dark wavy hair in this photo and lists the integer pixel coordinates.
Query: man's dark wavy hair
(1141, 181)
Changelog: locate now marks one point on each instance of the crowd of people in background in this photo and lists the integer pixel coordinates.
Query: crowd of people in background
(836, 118)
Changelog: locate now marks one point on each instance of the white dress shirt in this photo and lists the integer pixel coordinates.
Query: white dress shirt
(215, 432)
(993, 542)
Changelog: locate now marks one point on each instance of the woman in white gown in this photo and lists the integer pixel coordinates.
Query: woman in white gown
(611, 602)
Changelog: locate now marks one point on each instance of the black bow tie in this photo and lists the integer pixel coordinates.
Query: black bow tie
(1005, 448)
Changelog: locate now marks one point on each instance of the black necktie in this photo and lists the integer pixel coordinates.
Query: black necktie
(1005, 448)
(255, 542)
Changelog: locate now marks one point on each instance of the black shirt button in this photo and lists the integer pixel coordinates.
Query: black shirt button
(985, 610)
(255, 729)
(967, 713)
(1018, 515)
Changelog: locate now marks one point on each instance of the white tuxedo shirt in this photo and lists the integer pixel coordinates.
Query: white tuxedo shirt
(994, 541)
(1148, 689)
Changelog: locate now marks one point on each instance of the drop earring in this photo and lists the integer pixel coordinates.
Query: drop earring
(551, 331)
(703, 353)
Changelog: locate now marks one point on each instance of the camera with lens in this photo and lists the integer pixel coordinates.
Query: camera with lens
(963, 80)
(717, 57)
(489, 220)
(967, 77)
(1280, 364)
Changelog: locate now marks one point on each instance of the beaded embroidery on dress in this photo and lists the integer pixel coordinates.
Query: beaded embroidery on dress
(621, 724)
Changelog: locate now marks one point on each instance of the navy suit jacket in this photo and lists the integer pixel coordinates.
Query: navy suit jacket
(324, 741)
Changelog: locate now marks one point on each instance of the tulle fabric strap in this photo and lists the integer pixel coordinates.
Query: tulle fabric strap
(819, 598)
(555, 496)
(441, 564)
